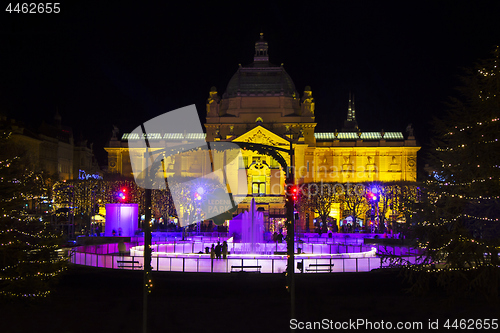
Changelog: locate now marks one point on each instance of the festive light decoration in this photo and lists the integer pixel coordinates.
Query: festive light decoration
(28, 243)
(122, 195)
(389, 202)
(82, 195)
(372, 196)
(458, 227)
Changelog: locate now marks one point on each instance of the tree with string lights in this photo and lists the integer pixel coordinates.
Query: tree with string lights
(28, 258)
(460, 228)
(318, 198)
(353, 200)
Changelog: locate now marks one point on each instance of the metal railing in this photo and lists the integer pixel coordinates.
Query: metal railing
(188, 247)
(107, 256)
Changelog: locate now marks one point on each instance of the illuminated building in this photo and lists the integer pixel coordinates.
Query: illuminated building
(261, 105)
(52, 149)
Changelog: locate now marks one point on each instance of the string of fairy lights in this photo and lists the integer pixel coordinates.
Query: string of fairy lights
(38, 275)
(445, 247)
(472, 182)
(464, 146)
(27, 244)
(443, 221)
(55, 260)
(465, 194)
(432, 268)
(39, 294)
(457, 239)
(82, 195)
(479, 123)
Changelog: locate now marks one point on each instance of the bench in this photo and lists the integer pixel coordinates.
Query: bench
(128, 263)
(320, 268)
(255, 269)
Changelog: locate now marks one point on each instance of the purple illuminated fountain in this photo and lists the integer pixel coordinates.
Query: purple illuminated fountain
(121, 219)
(248, 227)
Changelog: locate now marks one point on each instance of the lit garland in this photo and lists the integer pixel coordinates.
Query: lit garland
(38, 275)
(462, 184)
(476, 218)
(479, 123)
(432, 269)
(26, 295)
(82, 194)
(461, 239)
(464, 145)
(27, 244)
(455, 219)
(459, 222)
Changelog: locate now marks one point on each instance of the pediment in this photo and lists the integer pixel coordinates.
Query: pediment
(262, 136)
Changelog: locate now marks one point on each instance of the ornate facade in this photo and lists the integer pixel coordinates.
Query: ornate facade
(261, 105)
(53, 150)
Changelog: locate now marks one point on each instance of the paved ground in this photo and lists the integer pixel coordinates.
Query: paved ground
(99, 300)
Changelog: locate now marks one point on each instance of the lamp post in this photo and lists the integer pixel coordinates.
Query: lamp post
(146, 228)
(290, 233)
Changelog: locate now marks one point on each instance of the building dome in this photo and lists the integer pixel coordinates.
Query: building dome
(261, 78)
(253, 81)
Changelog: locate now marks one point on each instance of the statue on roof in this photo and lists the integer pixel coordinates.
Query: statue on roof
(114, 133)
(213, 103)
(409, 130)
(307, 102)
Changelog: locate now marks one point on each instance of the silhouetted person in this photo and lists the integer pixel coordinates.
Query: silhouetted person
(224, 250)
(218, 250)
(212, 252)
(280, 237)
(212, 256)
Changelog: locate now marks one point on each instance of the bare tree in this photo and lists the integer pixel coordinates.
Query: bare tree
(318, 198)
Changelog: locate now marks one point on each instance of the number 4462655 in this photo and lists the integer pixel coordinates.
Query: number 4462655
(34, 8)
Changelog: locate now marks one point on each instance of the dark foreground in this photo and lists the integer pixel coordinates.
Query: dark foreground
(98, 300)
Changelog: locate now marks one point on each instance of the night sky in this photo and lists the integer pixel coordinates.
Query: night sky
(122, 63)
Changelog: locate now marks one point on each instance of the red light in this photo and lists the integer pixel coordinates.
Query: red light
(121, 195)
(372, 196)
